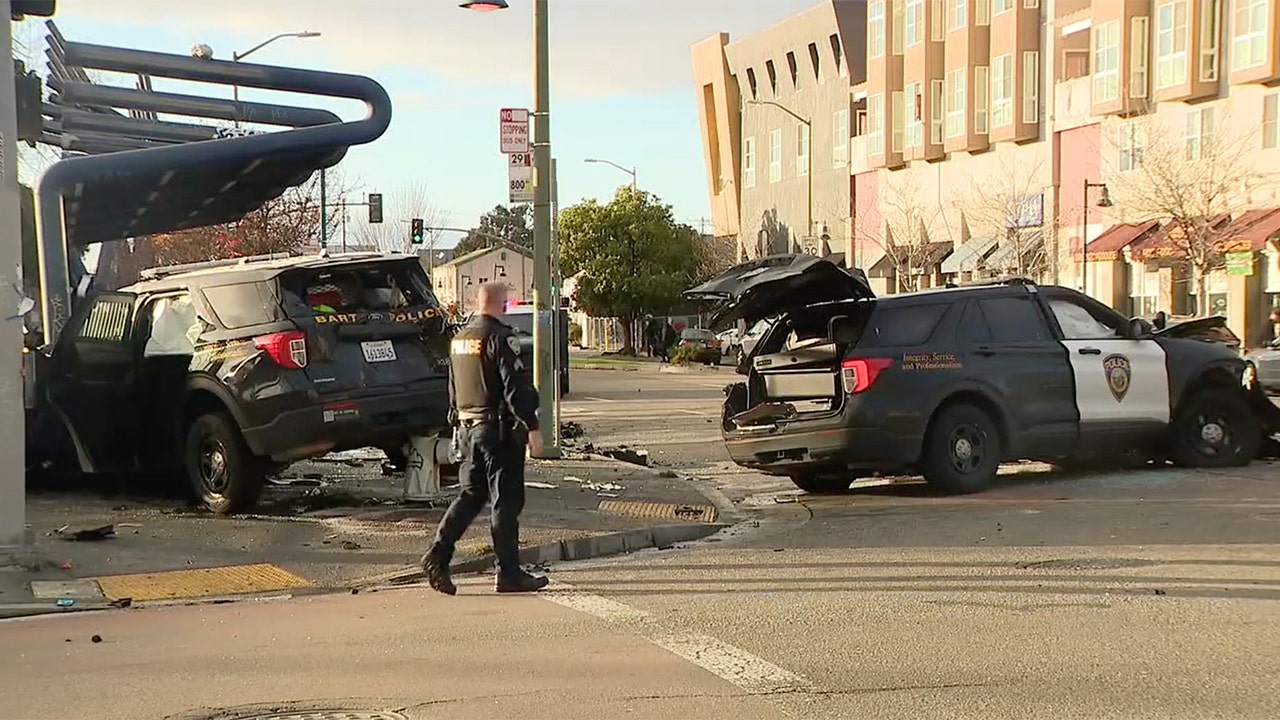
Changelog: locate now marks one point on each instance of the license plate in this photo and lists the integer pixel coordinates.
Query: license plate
(378, 351)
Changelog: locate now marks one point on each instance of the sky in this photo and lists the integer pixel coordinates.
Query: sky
(621, 83)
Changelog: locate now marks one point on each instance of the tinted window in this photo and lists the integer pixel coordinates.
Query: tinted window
(521, 322)
(901, 326)
(241, 305)
(1013, 319)
(973, 327)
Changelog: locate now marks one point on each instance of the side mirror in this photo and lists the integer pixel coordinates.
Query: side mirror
(744, 365)
(1140, 329)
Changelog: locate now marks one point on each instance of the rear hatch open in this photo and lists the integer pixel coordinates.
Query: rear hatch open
(371, 327)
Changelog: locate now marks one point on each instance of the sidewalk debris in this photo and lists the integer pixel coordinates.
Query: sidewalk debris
(570, 430)
(540, 485)
(87, 535)
(626, 454)
(350, 545)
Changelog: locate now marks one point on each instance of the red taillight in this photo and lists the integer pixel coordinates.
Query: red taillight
(859, 373)
(287, 349)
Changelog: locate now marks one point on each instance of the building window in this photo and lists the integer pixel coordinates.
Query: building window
(914, 30)
(813, 60)
(1106, 62)
(1031, 4)
(999, 7)
(1138, 32)
(937, 91)
(937, 31)
(981, 93)
(958, 14)
(1271, 121)
(775, 155)
(795, 71)
(1171, 44)
(773, 76)
(802, 149)
(1131, 140)
(955, 103)
(899, 114)
(875, 124)
(749, 162)
(837, 53)
(982, 12)
(875, 29)
(840, 143)
(915, 125)
(1210, 12)
(899, 25)
(1002, 90)
(1031, 86)
(1144, 291)
(1199, 133)
(751, 81)
(1249, 45)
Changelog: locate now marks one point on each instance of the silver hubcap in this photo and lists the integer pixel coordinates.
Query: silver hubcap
(1212, 433)
(963, 448)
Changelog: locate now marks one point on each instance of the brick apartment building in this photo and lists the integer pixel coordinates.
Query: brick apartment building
(935, 140)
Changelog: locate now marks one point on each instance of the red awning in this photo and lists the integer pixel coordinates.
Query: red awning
(1250, 231)
(1161, 245)
(1108, 245)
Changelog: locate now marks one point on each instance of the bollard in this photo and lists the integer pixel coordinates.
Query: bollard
(423, 458)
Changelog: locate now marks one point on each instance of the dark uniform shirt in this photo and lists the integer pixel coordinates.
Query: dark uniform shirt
(487, 377)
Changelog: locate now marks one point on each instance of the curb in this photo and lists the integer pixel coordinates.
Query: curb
(618, 543)
(605, 366)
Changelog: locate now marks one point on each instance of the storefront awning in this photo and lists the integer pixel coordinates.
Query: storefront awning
(1251, 230)
(1013, 254)
(1163, 244)
(969, 256)
(1110, 244)
(917, 260)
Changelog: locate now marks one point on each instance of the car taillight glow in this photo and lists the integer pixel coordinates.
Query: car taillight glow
(286, 349)
(859, 373)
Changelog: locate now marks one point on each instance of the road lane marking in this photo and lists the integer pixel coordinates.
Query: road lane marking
(752, 674)
(597, 399)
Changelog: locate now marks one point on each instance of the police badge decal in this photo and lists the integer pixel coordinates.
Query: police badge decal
(1118, 373)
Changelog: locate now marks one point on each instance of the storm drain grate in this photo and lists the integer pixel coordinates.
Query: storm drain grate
(665, 511)
(1087, 564)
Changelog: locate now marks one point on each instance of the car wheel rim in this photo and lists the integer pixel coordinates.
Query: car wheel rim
(213, 466)
(966, 448)
(1211, 435)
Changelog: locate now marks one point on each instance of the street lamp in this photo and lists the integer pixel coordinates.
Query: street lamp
(623, 168)
(808, 129)
(544, 351)
(1104, 201)
(238, 56)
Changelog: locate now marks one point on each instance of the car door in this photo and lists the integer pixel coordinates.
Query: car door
(1122, 383)
(1010, 347)
(94, 380)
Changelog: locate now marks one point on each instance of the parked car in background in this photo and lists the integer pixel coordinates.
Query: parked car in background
(706, 346)
(520, 318)
(738, 345)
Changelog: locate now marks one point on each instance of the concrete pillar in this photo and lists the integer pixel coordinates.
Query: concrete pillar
(13, 501)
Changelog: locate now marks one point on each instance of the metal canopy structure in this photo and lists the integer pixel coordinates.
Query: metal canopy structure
(131, 174)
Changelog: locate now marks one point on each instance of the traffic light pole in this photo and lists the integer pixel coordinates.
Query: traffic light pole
(557, 329)
(544, 349)
(14, 541)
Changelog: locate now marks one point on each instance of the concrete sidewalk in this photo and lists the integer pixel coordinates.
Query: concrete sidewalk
(330, 526)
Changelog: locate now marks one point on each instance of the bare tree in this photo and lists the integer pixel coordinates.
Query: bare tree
(1008, 204)
(1190, 177)
(408, 201)
(911, 234)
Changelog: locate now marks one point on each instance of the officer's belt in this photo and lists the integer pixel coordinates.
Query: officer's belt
(476, 417)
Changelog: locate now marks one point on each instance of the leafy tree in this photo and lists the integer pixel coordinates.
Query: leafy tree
(634, 257)
(513, 224)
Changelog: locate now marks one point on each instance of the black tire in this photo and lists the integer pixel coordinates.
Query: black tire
(225, 476)
(822, 484)
(1214, 429)
(961, 450)
(396, 456)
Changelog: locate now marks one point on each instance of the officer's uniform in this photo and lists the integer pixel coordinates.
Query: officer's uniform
(495, 408)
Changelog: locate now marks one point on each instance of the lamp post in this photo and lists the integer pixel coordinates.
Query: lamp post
(1104, 201)
(545, 355)
(808, 129)
(623, 168)
(238, 56)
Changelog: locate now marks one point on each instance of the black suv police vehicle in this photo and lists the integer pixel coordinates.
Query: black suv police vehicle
(232, 369)
(951, 382)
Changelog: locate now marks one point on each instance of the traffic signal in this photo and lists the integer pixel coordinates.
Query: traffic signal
(28, 90)
(415, 231)
(375, 208)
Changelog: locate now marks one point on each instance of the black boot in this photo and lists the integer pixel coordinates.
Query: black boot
(436, 566)
(518, 581)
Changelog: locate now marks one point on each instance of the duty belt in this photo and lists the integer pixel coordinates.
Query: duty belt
(476, 417)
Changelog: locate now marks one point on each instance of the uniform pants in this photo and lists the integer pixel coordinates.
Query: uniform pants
(492, 471)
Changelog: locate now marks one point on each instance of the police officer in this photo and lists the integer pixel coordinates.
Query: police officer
(495, 407)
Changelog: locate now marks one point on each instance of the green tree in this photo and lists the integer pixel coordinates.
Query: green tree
(634, 257)
(513, 224)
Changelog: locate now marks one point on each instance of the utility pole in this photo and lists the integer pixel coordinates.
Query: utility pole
(557, 330)
(544, 353)
(13, 501)
(324, 213)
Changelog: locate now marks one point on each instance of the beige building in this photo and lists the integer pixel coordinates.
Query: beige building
(457, 281)
(987, 133)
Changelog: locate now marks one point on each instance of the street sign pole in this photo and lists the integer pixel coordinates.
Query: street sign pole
(543, 352)
(13, 501)
(557, 292)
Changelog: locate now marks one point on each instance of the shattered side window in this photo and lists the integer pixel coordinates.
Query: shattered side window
(175, 326)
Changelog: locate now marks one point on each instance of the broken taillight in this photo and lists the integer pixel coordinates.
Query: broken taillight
(859, 373)
(286, 349)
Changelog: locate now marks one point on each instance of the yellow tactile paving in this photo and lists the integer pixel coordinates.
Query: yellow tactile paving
(667, 511)
(203, 582)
